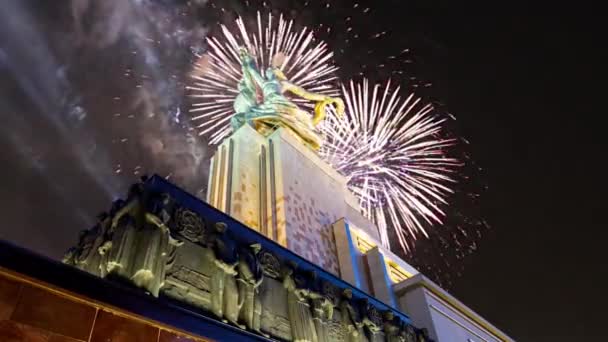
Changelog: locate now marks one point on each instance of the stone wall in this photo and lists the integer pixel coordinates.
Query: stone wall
(282, 189)
(164, 243)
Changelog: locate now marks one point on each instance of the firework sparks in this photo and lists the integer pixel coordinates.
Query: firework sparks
(392, 153)
(304, 60)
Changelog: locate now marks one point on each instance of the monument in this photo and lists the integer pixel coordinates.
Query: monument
(279, 252)
(266, 175)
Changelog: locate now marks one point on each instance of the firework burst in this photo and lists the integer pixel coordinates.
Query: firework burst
(396, 162)
(304, 60)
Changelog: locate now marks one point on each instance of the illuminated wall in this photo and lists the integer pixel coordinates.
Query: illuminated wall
(33, 311)
(445, 318)
(365, 263)
(281, 188)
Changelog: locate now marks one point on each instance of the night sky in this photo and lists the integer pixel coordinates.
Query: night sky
(92, 96)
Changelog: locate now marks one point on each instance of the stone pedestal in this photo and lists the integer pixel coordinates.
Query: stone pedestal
(284, 190)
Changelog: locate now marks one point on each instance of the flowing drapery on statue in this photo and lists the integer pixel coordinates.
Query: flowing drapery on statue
(250, 277)
(262, 104)
(351, 318)
(224, 290)
(298, 309)
(321, 295)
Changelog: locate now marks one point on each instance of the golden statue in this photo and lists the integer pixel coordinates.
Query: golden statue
(262, 104)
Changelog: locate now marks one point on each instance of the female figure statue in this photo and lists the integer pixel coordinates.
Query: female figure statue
(372, 321)
(391, 328)
(249, 280)
(222, 254)
(88, 254)
(351, 318)
(323, 309)
(410, 334)
(298, 309)
(261, 103)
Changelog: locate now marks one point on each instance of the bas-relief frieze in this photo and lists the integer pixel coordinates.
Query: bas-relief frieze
(167, 250)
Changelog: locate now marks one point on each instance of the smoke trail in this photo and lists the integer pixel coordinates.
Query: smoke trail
(160, 38)
(91, 97)
(32, 64)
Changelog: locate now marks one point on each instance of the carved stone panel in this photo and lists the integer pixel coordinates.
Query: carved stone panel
(270, 264)
(274, 309)
(212, 266)
(189, 286)
(191, 255)
(188, 279)
(189, 225)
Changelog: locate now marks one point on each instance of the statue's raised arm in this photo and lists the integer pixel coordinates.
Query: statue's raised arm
(321, 101)
(251, 75)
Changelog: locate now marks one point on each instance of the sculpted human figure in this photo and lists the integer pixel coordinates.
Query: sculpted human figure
(351, 318)
(250, 277)
(391, 327)
(298, 309)
(162, 206)
(154, 254)
(423, 335)
(95, 246)
(139, 248)
(222, 254)
(410, 333)
(262, 104)
(124, 245)
(88, 254)
(372, 322)
(69, 257)
(322, 309)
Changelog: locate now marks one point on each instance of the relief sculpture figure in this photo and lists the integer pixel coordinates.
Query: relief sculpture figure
(154, 255)
(372, 321)
(323, 309)
(222, 254)
(298, 308)
(391, 328)
(250, 277)
(351, 318)
(142, 252)
(90, 253)
(410, 333)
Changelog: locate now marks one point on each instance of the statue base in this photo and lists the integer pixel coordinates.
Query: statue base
(281, 188)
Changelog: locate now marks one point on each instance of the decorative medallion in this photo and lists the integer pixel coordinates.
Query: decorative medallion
(270, 264)
(189, 225)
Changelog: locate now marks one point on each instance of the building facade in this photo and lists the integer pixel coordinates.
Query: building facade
(285, 191)
(279, 252)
